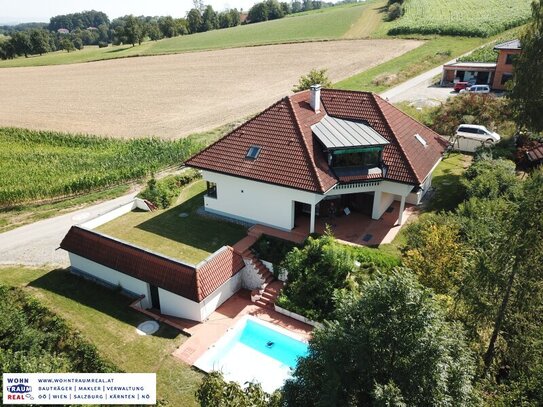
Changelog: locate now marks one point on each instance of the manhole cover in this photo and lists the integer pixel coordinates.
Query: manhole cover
(183, 215)
(147, 328)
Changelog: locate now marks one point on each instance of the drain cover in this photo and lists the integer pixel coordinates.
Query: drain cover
(147, 328)
(183, 215)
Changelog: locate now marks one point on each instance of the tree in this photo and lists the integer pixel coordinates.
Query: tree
(392, 343)
(210, 21)
(167, 26)
(527, 88)
(194, 21)
(133, 30)
(275, 10)
(235, 17)
(321, 268)
(490, 179)
(67, 44)
(296, 6)
(314, 77)
(435, 252)
(259, 12)
(21, 43)
(214, 391)
(153, 31)
(39, 41)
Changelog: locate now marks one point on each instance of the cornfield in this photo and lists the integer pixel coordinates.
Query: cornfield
(470, 18)
(37, 165)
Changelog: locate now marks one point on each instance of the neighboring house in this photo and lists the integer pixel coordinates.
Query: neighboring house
(168, 285)
(507, 53)
(319, 152)
(496, 74)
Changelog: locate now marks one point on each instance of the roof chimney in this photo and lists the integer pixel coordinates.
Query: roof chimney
(315, 100)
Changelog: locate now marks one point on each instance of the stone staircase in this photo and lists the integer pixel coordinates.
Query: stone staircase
(270, 288)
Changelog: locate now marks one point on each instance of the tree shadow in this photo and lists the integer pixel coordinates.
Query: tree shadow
(185, 225)
(103, 299)
(113, 51)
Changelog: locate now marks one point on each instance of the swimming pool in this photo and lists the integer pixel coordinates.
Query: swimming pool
(255, 350)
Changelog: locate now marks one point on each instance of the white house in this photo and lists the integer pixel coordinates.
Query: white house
(318, 152)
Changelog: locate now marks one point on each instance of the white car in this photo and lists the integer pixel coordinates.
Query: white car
(477, 89)
(476, 132)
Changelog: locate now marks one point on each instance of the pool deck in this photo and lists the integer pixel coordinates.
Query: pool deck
(205, 334)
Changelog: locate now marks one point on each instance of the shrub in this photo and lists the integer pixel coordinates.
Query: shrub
(394, 11)
(161, 193)
(491, 179)
(366, 256)
(102, 44)
(314, 77)
(272, 249)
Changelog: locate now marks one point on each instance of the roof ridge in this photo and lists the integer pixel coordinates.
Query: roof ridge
(306, 147)
(236, 129)
(411, 168)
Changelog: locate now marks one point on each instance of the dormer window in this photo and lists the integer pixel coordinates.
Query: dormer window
(421, 140)
(253, 152)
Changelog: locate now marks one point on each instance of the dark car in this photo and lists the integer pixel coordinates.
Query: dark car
(458, 86)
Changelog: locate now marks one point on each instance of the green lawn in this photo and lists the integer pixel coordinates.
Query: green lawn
(325, 24)
(103, 318)
(190, 239)
(446, 181)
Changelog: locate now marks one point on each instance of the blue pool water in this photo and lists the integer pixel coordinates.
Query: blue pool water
(254, 351)
(272, 343)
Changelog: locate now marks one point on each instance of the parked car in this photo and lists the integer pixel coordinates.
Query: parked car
(477, 89)
(458, 86)
(476, 132)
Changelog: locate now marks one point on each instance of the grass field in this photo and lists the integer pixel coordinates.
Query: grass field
(190, 239)
(346, 21)
(104, 318)
(473, 18)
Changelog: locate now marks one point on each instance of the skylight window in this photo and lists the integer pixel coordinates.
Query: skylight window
(253, 152)
(421, 140)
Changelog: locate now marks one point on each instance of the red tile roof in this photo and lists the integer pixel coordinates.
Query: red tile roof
(535, 153)
(291, 157)
(192, 282)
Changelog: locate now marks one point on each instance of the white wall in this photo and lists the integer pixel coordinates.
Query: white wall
(255, 202)
(177, 306)
(115, 213)
(112, 277)
(381, 201)
(220, 295)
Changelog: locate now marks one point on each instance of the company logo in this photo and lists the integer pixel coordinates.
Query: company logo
(19, 389)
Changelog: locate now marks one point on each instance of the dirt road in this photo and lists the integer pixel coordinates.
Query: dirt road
(175, 95)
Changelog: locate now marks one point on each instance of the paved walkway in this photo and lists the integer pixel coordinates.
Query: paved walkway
(37, 243)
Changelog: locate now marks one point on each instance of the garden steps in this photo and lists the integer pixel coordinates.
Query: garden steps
(270, 294)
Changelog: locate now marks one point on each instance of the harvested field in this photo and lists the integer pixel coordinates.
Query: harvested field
(174, 95)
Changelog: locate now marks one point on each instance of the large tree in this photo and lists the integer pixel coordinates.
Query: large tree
(527, 90)
(133, 30)
(390, 346)
(194, 21)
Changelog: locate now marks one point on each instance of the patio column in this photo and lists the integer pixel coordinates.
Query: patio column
(402, 207)
(312, 219)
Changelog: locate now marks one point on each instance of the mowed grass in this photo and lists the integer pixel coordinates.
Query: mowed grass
(325, 24)
(104, 318)
(190, 237)
(449, 191)
(474, 18)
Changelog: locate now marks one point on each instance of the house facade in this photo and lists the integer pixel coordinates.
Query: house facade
(319, 153)
(496, 74)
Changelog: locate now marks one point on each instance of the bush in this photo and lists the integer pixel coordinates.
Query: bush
(367, 256)
(491, 179)
(394, 11)
(273, 249)
(102, 44)
(314, 77)
(33, 339)
(163, 193)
